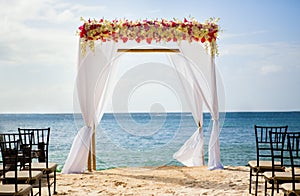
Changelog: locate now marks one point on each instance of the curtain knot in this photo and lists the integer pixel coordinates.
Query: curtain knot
(215, 119)
(199, 124)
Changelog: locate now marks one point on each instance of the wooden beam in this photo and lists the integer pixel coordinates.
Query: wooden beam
(149, 50)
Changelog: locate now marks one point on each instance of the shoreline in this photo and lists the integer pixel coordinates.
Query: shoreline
(163, 180)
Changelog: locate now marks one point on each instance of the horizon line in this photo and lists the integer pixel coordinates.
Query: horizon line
(132, 112)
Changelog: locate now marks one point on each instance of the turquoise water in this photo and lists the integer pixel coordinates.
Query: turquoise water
(143, 139)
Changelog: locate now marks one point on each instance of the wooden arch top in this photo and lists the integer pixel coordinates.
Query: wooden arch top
(146, 50)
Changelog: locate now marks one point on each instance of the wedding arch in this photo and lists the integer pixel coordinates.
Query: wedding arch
(102, 40)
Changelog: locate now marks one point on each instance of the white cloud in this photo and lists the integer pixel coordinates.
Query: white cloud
(244, 49)
(269, 69)
(38, 52)
(268, 57)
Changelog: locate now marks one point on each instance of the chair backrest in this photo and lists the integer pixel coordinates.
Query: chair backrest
(279, 150)
(9, 152)
(40, 142)
(263, 149)
(24, 141)
(294, 149)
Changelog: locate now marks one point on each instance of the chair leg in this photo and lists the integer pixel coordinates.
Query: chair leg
(266, 187)
(48, 181)
(40, 187)
(250, 180)
(256, 184)
(272, 193)
(54, 183)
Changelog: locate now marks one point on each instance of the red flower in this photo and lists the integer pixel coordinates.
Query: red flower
(203, 39)
(185, 20)
(125, 23)
(174, 39)
(138, 40)
(125, 39)
(82, 31)
(164, 24)
(82, 34)
(211, 34)
(146, 27)
(149, 40)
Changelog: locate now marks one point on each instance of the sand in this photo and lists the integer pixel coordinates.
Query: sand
(165, 180)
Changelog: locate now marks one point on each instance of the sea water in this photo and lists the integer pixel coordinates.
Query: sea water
(151, 139)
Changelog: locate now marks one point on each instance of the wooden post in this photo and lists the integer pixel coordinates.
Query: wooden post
(89, 161)
(93, 153)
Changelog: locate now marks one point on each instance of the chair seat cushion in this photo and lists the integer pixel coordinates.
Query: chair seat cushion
(288, 187)
(9, 189)
(24, 175)
(265, 165)
(280, 176)
(42, 166)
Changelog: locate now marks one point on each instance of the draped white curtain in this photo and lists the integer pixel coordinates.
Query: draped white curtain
(196, 72)
(94, 70)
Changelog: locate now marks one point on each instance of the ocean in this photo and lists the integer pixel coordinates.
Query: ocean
(151, 139)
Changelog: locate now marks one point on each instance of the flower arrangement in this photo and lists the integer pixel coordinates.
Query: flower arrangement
(150, 31)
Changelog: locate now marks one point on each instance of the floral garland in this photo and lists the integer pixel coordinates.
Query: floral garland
(149, 30)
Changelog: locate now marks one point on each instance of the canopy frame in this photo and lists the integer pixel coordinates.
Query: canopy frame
(99, 43)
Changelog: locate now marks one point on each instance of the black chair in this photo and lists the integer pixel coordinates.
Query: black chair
(263, 160)
(293, 188)
(10, 156)
(280, 156)
(25, 175)
(40, 150)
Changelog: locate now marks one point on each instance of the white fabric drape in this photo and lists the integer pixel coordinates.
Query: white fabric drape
(93, 73)
(214, 160)
(198, 71)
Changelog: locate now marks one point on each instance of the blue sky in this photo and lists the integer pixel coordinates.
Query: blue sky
(259, 50)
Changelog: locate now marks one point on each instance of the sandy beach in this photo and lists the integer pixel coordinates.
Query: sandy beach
(165, 180)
